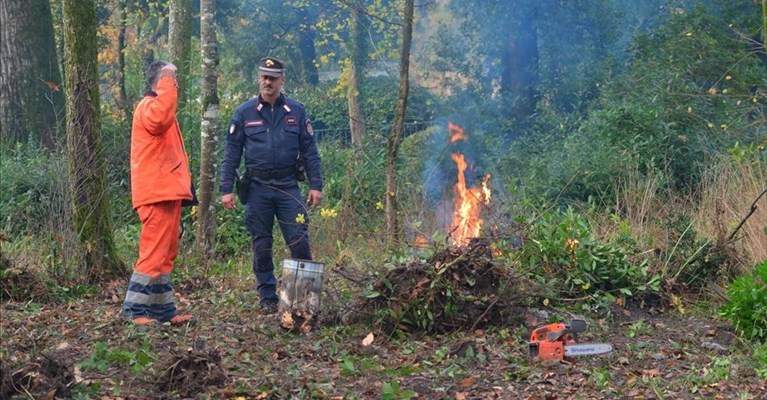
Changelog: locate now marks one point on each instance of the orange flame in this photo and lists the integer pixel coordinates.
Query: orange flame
(420, 241)
(456, 133)
(467, 202)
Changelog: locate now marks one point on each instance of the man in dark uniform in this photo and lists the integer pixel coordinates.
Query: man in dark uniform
(271, 131)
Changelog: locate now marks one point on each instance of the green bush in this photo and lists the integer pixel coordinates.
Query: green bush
(759, 360)
(747, 307)
(232, 237)
(686, 94)
(33, 187)
(561, 250)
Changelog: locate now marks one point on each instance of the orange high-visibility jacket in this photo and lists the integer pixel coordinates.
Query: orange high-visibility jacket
(159, 168)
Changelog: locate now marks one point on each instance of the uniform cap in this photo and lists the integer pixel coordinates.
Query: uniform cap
(271, 66)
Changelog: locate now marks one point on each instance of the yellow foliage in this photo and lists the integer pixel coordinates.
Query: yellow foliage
(328, 213)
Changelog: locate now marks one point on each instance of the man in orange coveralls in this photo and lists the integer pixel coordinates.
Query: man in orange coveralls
(160, 180)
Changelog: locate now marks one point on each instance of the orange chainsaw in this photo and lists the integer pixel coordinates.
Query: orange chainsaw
(557, 341)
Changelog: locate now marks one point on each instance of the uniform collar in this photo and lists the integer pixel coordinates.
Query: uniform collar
(280, 101)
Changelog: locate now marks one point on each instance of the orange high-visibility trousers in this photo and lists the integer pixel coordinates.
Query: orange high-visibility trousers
(149, 291)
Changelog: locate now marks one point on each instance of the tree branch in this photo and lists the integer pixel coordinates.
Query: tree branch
(750, 213)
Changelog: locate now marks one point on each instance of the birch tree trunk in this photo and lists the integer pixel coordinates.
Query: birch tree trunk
(206, 221)
(392, 219)
(30, 95)
(87, 178)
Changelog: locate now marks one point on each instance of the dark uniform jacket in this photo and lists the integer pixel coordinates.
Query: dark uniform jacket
(270, 137)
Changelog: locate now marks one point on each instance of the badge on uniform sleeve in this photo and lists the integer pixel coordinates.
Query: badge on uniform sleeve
(232, 128)
(309, 127)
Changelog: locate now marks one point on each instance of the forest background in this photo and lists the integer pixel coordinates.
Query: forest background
(622, 144)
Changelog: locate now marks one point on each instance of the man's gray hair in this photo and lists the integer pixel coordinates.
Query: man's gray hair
(153, 72)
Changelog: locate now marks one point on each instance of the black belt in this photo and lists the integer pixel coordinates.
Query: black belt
(271, 174)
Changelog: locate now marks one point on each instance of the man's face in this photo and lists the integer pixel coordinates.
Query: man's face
(270, 86)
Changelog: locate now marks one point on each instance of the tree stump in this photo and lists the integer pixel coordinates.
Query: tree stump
(300, 291)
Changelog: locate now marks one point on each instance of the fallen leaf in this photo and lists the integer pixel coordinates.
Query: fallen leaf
(467, 382)
(52, 85)
(623, 360)
(651, 373)
(78, 374)
(367, 340)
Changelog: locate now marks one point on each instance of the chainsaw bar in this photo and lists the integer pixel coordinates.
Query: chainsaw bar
(587, 349)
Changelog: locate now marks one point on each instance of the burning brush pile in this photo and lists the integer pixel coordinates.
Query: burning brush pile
(458, 288)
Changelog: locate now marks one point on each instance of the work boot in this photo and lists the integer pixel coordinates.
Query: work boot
(269, 307)
(181, 320)
(144, 321)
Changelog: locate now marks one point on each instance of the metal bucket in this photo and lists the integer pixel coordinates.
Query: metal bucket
(300, 292)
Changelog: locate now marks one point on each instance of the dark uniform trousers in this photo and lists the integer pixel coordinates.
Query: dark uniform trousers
(265, 202)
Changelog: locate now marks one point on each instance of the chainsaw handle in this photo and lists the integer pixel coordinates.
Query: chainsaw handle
(575, 326)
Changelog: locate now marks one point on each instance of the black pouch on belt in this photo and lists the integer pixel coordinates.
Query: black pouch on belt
(242, 186)
(301, 168)
(193, 201)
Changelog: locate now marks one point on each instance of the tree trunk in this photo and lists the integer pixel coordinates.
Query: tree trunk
(30, 95)
(520, 66)
(122, 93)
(306, 48)
(87, 178)
(764, 28)
(357, 58)
(206, 221)
(180, 41)
(150, 42)
(392, 220)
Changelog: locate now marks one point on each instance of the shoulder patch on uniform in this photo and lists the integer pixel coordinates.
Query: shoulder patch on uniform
(291, 120)
(285, 106)
(254, 122)
(309, 127)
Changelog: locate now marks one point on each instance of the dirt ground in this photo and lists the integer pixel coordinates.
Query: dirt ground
(83, 349)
